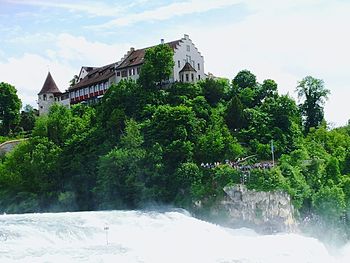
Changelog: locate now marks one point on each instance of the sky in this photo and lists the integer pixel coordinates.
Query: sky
(274, 39)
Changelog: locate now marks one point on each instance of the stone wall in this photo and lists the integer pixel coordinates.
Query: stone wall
(9, 146)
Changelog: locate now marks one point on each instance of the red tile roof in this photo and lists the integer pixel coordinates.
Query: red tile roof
(96, 75)
(136, 57)
(49, 86)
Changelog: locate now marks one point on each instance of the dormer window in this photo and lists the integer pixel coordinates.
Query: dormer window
(188, 48)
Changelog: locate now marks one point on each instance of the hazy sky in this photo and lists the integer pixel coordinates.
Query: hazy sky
(284, 40)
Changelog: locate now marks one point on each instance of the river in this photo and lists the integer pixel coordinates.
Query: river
(152, 237)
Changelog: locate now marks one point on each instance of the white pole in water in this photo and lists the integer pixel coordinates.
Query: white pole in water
(106, 228)
(273, 156)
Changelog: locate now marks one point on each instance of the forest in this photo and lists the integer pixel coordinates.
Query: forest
(149, 142)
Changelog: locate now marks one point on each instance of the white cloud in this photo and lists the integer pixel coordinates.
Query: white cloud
(28, 72)
(168, 11)
(78, 49)
(68, 53)
(92, 8)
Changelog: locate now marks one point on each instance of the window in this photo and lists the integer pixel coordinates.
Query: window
(101, 87)
(178, 64)
(124, 73)
(182, 78)
(91, 89)
(77, 94)
(106, 85)
(133, 71)
(44, 97)
(199, 66)
(188, 58)
(199, 77)
(118, 73)
(188, 48)
(138, 70)
(192, 77)
(187, 78)
(86, 91)
(130, 72)
(71, 94)
(193, 63)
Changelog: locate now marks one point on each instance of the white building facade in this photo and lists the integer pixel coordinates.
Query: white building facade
(184, 52)
(93, 82)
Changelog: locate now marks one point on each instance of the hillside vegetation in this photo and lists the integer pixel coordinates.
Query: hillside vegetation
(149, 142)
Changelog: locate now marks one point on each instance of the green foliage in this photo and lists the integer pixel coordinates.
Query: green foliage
(267, 180)
(217, 143)
(329, 202)
(27, 118)
(244, 79)
(10, 105)
(145, 142)
(214, 90)
(157, 67)
(119, 181)
(314, 93)
(234, 115)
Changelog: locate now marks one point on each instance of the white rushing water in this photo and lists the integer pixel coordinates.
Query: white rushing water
(134, 236)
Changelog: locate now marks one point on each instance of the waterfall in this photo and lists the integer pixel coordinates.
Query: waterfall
(140, 236)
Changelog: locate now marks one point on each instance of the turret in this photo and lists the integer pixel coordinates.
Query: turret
(188, 73)
(48, 95)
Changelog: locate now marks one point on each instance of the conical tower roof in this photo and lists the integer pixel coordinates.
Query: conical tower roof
(49, 86)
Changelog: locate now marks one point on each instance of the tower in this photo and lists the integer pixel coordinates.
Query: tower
(48, 95)
(188, 73)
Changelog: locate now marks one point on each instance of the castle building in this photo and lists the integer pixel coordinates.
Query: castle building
(50, 94)
(93, 82)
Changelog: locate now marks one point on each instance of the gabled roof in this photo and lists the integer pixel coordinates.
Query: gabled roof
(136, 56)
(188, 67)
(96, 75)
(49, 86)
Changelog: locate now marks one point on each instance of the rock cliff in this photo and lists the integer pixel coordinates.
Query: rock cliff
(266, 212)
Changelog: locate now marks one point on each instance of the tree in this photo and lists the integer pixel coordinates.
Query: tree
(10, 106)
(244, 79)
(213, 90)
(329, 202)
(314, 93)
(234, 114)
(119, 181)
(27, 118)
(73, 81)
(157, 67)
(267, 90)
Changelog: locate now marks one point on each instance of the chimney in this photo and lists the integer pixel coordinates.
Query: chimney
(186, 36)
(162, 41)
(132, 49)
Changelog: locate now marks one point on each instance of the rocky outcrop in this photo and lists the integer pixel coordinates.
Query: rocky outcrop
(265, 211)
